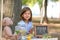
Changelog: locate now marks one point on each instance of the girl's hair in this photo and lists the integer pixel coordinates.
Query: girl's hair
(23, 11)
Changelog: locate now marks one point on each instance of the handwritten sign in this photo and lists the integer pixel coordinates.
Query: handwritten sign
(41, 30)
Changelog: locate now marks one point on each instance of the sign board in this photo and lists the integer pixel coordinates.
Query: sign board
(40, 30)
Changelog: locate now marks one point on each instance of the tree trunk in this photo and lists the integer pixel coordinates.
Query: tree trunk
(45, 15)
(17, 10)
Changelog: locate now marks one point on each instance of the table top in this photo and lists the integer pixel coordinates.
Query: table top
(44, 39)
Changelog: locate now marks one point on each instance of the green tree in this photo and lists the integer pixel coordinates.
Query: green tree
(31, 2)
(54, 0)
(16, 13)
(45, 19)
(40, 2)
(45, 4)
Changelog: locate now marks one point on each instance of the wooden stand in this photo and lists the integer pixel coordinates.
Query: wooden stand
(48, 26)
(40, 30)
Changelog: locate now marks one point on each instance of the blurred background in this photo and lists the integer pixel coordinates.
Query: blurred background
(0, 19)
(43, 11)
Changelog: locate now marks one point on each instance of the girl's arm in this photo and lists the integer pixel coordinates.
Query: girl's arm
(31, 30)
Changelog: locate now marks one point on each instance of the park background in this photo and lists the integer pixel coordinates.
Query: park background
(47, 11)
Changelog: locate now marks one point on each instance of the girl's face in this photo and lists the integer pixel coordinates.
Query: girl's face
(26, 15)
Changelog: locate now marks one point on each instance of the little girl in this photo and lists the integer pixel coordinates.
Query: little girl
(7, 32)
(26, 20)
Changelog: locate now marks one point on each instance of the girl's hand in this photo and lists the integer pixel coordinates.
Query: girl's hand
(31, 31)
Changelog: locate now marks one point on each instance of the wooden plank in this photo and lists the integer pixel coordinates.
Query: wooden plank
(49, 25)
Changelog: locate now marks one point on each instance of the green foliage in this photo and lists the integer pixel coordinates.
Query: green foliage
(54, 0)
(40, 2)
(24, 2)
(31, 2)
(17, 32)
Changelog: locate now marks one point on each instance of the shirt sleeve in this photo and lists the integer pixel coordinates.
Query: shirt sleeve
(20, 24)
(17, 27)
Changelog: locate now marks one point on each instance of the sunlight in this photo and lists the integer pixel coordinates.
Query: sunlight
(36, 10)
(53, 9)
